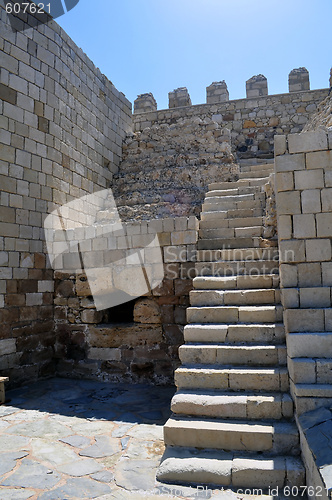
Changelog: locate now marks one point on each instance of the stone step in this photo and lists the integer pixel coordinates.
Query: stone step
(229, 204)
(259, 296)
(236, 282)
(232, 379)
(269, 333)
(225, 222)
(257, 174)
(239, 254)
(235, 314)
(233, 355)
(272, 437)
(215, 186)
(216, 193)
(231, 232)
(218, 404)
(237, 470)
(226, 243)
(234, 268)
(232, 214)
(257, 168)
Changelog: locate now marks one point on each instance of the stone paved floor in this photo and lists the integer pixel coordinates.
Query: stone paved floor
(66, 439)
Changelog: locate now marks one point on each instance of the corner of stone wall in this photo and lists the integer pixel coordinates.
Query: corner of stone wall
(303, 165)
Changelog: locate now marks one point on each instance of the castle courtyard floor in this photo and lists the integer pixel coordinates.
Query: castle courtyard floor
(64, 439)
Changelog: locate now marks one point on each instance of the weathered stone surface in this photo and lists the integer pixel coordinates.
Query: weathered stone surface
(104, 447)
(128, 335)
(80, 467)
(147, 311)
(136, 474)
(81, 488)
(31, 474)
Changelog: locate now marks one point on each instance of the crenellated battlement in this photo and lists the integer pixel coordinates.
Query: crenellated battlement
(217, 92)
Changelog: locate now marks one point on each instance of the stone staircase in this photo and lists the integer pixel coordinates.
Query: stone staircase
(232, 422)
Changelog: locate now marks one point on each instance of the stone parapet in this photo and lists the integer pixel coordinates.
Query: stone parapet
(179, 97)
(145, 103)
(256, 86)
(217, 92)
(298, 80)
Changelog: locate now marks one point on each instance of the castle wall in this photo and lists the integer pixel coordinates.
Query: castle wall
(109, 345)
(253, 122)
(304, 208)
(63, 124)
(166, 169)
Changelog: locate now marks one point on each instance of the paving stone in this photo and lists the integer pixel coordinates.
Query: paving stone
(31, 474)
(124, 442)
(136, 474)
(13, 494)
(104, 447)
(11, 443)
(8, 461)
(91, 428)
(76, 441)
(103, 476)
(121, 430)
(81, 467)
(77, 488)
(54, 453)
(147, 432)
(43, 429)
(7, 410)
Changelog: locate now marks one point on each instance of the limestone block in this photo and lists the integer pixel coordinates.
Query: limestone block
(175, 254)
(318, 250)
(124, 335)
(290, 298)
(304, 226)
(104, 354)
(289, 163)
(311, 201)
(326, 195)
(314, 345)
(91, 316)
(319, 159)
(304, 320)
(315, 297)
(183, 237)
(309, 179)
(309, 274)
(292, 251)
(324, 368)
(328, 319)
(288, 275)
(280, 145)
(285, 227)
(302, 370)
(327, 273)
(288, 202)
(307, 142)
(147, 311)
(285, 181)
(324, 225)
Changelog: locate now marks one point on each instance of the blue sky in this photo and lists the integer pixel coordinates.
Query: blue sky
(159, 45)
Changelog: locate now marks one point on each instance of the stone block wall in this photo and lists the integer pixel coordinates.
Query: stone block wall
(63, 124)
(138, 345)
(303, 166)
(253, 122)
(166, 168)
